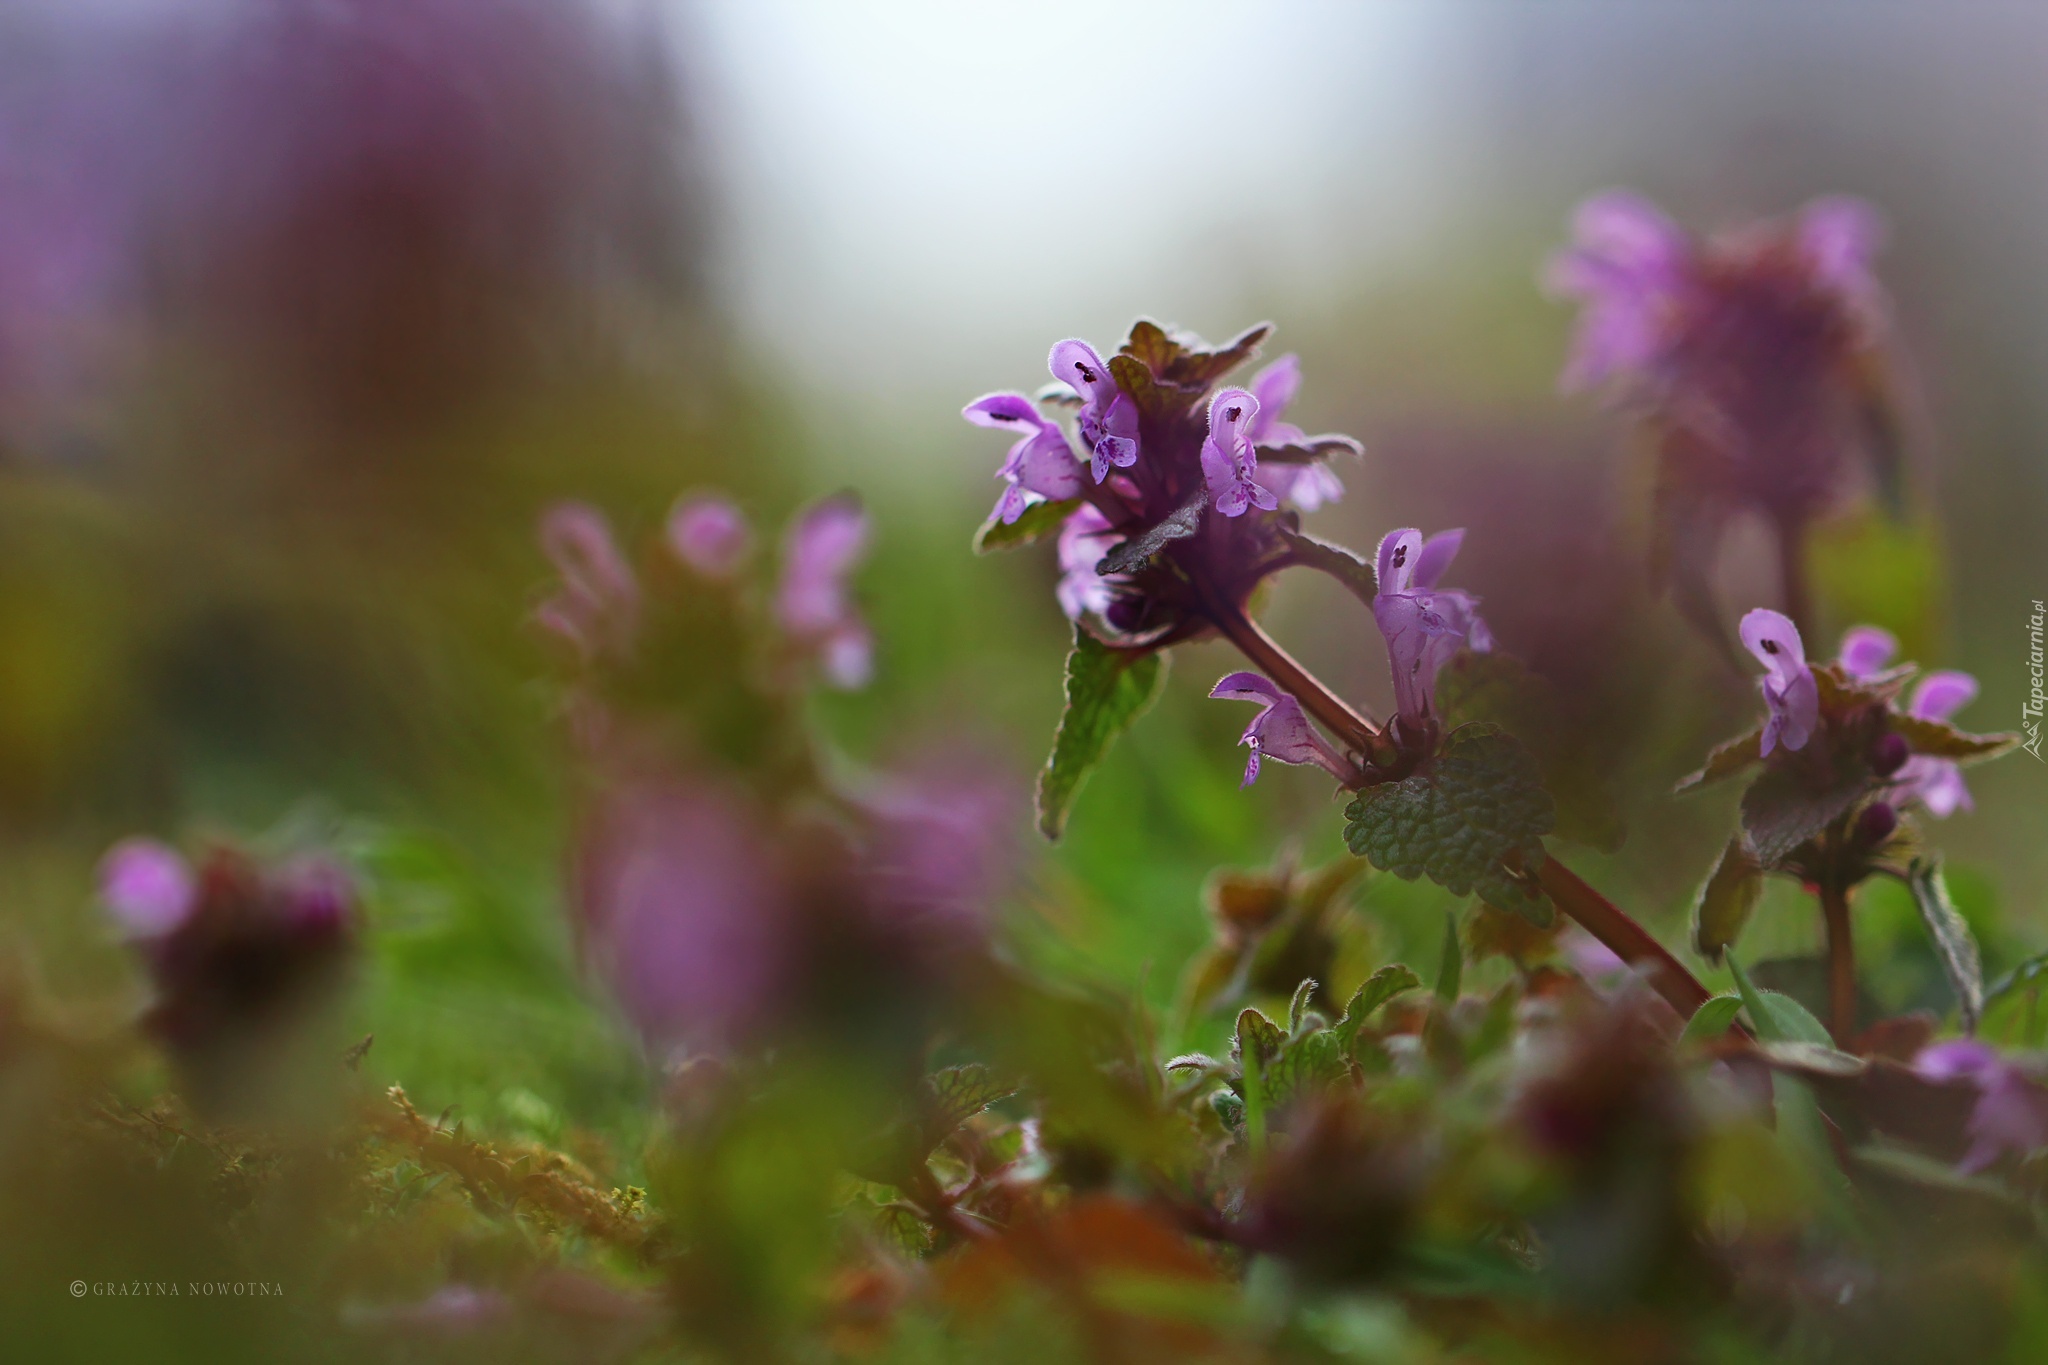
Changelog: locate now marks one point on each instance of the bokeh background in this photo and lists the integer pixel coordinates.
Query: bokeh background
(308, 310)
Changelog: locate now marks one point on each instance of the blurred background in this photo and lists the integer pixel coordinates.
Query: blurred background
(307, 310)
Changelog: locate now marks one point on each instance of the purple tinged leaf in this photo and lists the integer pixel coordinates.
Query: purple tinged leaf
(1866, 651)
(147, 886)
(1788, 686)
(710, 534)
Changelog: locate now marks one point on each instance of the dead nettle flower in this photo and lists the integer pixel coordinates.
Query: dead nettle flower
(812, 602)
(1109, 419)
(597, 607)
(1788, 686)
(1085, 537)
(234, 947)
(1040, 465)
(1424, 625)
(710, 535)
(1757, 356)
(1230, 465)
(1280, 730)
(1935, 782)
(2011, 1115)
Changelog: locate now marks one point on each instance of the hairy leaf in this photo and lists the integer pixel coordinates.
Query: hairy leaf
(1726, 760)
(1311, 1063)
(1182, 522)
(1155, 398)
(1727, 899)
(1480, 799)
(1942, 740)
(1953, 942)
(1377, 989)
(1297, 1007)
(1257, 1036)
(1040, 519)
(1711, 1019)
(1789, 805)
(1309, 449)
(1107, 689)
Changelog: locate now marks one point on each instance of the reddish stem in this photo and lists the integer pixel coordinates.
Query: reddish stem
(1276, 663)
(1834, 904)
(1629, 941)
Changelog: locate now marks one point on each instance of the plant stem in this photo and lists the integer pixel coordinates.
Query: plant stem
(1276, 663)
(1834, 905)
(1628, 940)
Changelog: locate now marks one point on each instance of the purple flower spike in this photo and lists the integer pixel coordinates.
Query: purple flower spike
(1041, 463)
(1937, 783)
(1424, 625)
(1229, 464)
(1084, 539)
(1280, 730)
(1109, 421)
(710, 534)
(1866, 650)
(813, 604)
(148, 886)
(2012, 1108)
(1627, 266)
(599, 600)
(1788, 687)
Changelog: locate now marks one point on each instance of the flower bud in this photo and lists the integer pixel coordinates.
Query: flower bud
(1876, 823)
(1888, 753)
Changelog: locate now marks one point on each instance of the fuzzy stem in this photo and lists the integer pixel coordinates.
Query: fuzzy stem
(1834, 905)
(1276, 663)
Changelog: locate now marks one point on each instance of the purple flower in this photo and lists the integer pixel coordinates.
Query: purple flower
(1041, 463)
(148, 886)
(1424, 625)
(1085, 538)
(597, 607)
(1109, 420)
(710, 534)
(1627, 265)
(1866, 650)
(2012, 1108)
(1788, 686)
(812, 602)
(1938, 782)
(1307, 486)
(1280, 730)
(1229, 463)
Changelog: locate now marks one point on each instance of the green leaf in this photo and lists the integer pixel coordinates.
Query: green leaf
(1727, 899)
(1777, 1018)
(1258, 1041)
(1942, 740)
(1313, 1063)
(1298, 1006)
(1107, 689)
(1953, 942)
(1725, 760)
(1040, 519)
(1382, 986)
(1480, 799)
(1450, 972)
(1183, 521)
(955, 1095)
(1711, 1019)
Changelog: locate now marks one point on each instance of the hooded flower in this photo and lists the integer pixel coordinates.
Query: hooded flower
(1084, 539)
(2012, 1108)
(1788, 686)
(1280, 730)
(1109, 421)
(596, 609)
(1230, 465)
(1307, 486)
(812, 603)
(1424, 625)
(1040, 464)
(1866, 650)
(1626, 266)
(1937, 783)
(710, 534)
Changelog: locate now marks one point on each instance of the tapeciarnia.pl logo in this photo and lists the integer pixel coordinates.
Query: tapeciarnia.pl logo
(2030, 710)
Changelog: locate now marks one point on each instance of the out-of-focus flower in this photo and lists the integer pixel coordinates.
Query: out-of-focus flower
(1280, 730)
(710, 534)
(597, 606)
(1109, 420)
(939, 849)
(1041, 464)
(1424, 625)
(1307, 486)
(1937, 783)
(1788, 686)
(812, 603)
(1085, 538)
(1866, 650)
(1229, 464)
(2012, 1107)
(147, 885)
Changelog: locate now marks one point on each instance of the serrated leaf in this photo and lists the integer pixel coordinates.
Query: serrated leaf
(1725, 760)
(1156, 399)
(1039, 520)
(1136, 552)
(1712, 1019)
(1480, 799)
(955, 1095)
(1785, 807)
(1450, 971)
(1150, 344)
(1727, 899)
(1202, 366)
(1257, 1036)
(1942, 740)
(1309, 1064)
(1297, 1006)
(1107, 689)
(1953, 942)
(1777, 1018)
(1383, 985)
